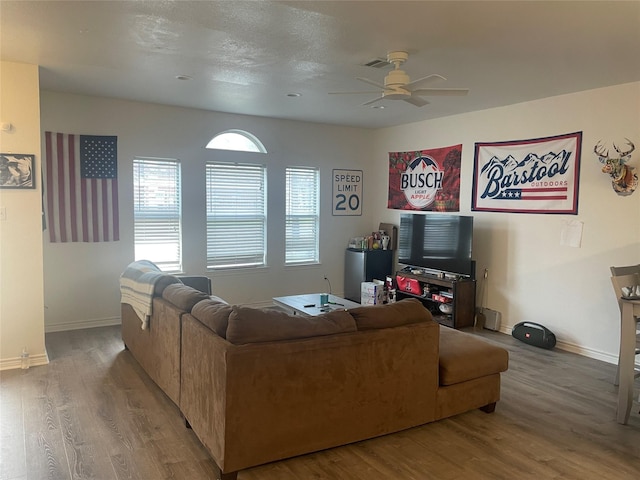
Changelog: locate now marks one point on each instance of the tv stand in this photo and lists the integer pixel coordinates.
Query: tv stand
(459, 292)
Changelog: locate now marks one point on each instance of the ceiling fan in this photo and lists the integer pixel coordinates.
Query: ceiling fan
(398, 86)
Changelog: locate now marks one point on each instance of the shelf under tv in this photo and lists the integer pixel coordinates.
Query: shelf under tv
(463, 297)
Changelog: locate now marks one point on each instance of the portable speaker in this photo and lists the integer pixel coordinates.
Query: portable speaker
(534, 334)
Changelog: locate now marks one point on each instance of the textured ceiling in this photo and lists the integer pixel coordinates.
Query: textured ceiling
(246, 56)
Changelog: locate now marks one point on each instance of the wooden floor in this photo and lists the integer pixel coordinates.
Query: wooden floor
(93, 413)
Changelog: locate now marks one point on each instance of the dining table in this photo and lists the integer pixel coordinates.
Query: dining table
(626, 362)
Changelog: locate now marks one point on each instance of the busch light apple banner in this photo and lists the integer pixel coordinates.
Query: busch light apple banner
(528, 176)
(426, 180)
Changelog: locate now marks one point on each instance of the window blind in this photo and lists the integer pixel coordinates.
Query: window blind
(302, 215)
(236, 215)
(157, 212)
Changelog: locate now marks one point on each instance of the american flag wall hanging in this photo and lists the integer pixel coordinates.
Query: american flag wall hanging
(81, 187)
(528, 176)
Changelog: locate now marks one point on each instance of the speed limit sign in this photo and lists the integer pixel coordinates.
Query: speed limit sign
(347, 192)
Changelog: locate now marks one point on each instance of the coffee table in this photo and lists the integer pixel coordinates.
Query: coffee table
(309, 304)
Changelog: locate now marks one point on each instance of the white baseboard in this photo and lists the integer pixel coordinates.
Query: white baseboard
(78, 325)
(579, 350)
(588, 352)
(43, 359)
(16, 362)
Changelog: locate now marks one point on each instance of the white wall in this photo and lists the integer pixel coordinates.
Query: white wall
(21, 284)
(81, 280)
(531, 276)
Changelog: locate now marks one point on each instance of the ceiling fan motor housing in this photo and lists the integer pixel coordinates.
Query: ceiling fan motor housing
(396, 78)
(397, 58)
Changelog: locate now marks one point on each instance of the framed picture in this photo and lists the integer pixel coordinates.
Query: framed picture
(17, 170)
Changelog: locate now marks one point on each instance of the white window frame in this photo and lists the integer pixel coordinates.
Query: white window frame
(236, 207)
(236, 140)
(157, 212)
(302, 216)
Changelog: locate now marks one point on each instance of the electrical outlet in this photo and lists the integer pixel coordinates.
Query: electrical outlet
(3, 214)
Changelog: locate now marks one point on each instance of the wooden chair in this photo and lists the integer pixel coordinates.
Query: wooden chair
(624, 277)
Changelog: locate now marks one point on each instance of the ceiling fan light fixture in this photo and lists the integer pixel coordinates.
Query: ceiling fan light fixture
(396, 94)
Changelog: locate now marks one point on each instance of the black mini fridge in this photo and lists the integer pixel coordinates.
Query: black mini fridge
(364, 266)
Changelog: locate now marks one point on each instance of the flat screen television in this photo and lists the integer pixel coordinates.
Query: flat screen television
(437, 241)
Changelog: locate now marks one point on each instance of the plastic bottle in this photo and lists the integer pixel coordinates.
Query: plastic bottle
(24, 359)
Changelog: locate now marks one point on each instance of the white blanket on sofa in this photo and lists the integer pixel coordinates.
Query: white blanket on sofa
(137, 284)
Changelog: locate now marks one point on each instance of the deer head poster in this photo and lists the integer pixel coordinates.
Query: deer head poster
(528, 176)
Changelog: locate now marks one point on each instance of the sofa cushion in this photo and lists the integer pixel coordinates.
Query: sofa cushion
(182, 296)
(214, 313)
(163, 282)
(464, 357)
(403, 312)
(252, 325)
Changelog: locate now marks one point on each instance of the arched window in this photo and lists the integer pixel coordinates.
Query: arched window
(237, 140)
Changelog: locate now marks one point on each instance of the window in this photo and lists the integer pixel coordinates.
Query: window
(237, 140)
(236, 215)
(157, 212)
(302, 215)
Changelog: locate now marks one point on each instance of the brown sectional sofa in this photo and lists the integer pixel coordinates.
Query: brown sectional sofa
(259, 385)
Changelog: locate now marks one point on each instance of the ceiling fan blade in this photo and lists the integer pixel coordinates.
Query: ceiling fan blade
(424, 80)
(417, 101)
(371, 82)
(371, 102)
(354, 93)
(441, 91)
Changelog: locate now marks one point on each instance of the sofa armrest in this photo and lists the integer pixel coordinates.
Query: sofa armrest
(199, 282)
(203, 385)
